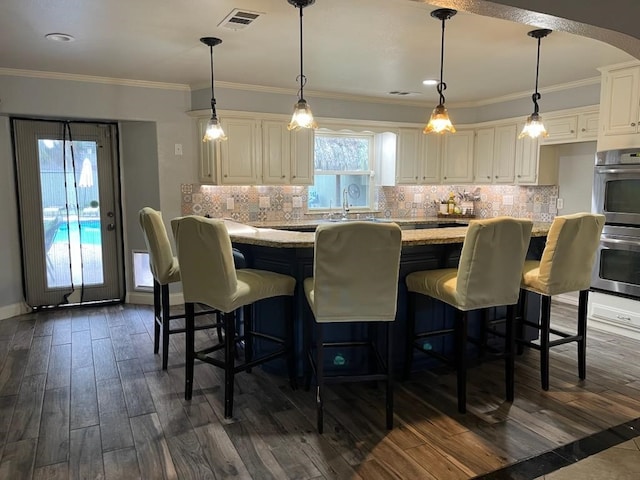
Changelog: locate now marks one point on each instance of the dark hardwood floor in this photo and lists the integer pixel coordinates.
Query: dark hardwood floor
(83, 396)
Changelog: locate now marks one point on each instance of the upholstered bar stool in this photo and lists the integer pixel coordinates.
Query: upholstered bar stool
(165, 270)
(488, 275)
(209, 277)
(355, 279)
(565, 266)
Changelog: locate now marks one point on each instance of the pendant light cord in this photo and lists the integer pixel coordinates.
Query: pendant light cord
(536, 96)
(442, 86)
(303, 79)
(213, 98)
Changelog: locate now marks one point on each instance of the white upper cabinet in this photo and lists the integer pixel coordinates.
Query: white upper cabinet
(457, 157)
(408, 158)
(495, 154)
(578, 127)
(302, 145)
(620, 108)
(238, 154)
(535, 164)
(483, 155)
(276, 153)
(504, 154)
(256, 152)
(418, 157)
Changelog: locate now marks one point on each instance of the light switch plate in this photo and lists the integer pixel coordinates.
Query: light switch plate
(230, 203)
(178, 148)
(264, 202)
(297, 202)
(560, 203)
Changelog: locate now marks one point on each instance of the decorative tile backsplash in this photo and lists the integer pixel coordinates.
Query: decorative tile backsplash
(288, 203)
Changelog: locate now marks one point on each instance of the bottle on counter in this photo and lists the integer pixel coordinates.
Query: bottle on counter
(451, 204)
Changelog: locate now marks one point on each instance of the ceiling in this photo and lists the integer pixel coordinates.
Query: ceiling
(355, 47)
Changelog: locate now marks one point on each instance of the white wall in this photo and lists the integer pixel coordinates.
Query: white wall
(575, 176)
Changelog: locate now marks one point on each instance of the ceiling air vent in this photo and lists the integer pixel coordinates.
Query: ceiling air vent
(239, 19)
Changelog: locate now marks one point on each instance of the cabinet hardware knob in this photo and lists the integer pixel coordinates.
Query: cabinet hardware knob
(496, 176)
(488, 177)
(573, 131)
(282, 176)
(416, 177)
(633, 124)
(519, 176)
(584, 129)
(444, 178)
(622, 317)
(292, 176)
(225, 175)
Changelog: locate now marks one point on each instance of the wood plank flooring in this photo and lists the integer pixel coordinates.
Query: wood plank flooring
(83, 396)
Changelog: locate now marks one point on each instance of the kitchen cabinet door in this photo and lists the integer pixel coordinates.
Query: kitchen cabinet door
(276, 153)
(620, 101)
(457, 157)
(483, 155)
(431, 153)
(504, 158)
(238, 154)
(588, 126)
(526, 167)
(561, 129)
(408, 159)
(302, 146)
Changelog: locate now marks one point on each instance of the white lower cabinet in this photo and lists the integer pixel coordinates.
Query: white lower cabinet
(614, 314)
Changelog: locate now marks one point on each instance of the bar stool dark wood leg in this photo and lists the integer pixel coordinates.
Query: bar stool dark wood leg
(190, 350)
(545, 331)
(389, 366)
(157, 316)
(509, 352)
(319, 376)
(411, 332)
(166, 324)
(461, 359)
(229, 361)
(582, 333)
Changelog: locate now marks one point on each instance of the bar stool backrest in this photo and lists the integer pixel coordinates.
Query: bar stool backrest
(206, 260)
(490, 266)
(164, 265)
(568, 256)
(355, 271)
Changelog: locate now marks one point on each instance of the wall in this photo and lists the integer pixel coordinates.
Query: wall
(575, 176)
(536, 203)
(151, 172)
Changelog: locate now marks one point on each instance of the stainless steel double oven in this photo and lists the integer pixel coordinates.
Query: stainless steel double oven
(616, 194)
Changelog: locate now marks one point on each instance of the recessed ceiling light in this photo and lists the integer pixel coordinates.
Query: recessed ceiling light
(59, 37)
(430, 82)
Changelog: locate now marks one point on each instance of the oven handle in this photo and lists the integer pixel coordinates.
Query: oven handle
(615, 240)
(617, 170)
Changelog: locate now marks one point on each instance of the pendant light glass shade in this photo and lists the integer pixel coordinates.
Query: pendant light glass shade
(214, 129)
(302, 116)
(439, 122)
(534, 127)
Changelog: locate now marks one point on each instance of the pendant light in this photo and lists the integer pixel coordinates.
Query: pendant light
(534, 127)
(214, 129)
(302, 116)
(439, 121)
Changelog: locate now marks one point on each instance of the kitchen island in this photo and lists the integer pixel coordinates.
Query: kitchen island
(291, 252)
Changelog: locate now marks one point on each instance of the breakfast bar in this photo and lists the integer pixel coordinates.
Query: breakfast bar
(291, 252)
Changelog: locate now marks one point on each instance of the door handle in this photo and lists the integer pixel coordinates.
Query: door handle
(111, 227)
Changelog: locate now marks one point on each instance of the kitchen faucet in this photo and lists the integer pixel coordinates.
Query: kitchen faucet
(345, 204)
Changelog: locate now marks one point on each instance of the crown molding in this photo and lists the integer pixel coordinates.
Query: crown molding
(14, 72)
(288, 91)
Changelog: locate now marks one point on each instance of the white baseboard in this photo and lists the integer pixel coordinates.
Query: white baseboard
(146, 298)
(14, 310)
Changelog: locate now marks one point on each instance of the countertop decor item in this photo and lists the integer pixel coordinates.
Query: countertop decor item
(214, 129)
(302, 116)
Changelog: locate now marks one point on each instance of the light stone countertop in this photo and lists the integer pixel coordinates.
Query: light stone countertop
(270, 237)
